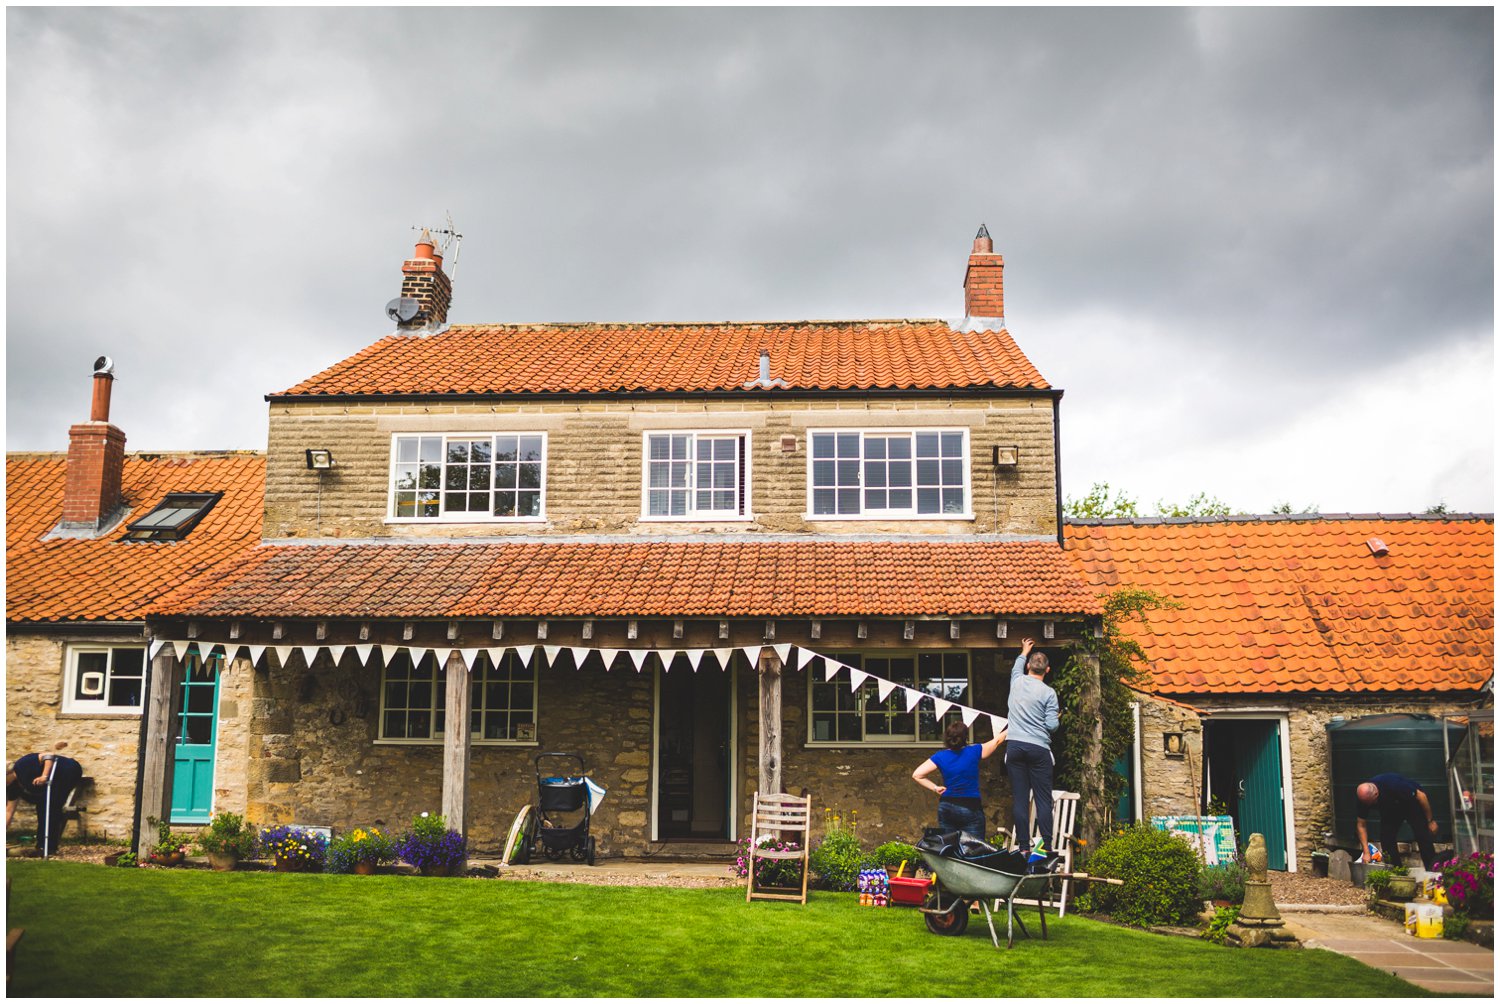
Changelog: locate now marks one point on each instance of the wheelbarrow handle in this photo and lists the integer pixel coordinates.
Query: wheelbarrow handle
(1086, 877)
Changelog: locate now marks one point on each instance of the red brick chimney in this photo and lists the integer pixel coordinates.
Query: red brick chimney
(96, 460)
(423, 279)
(984, 288)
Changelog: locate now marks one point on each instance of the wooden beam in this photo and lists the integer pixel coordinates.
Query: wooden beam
(453, 630)
(497, 630)
(770, 722)
(364, 630)
(156, 771)
(192, 629)
(1049, 629)
(1001, 629)
(322, 630)
(632, 630)
(816, 631)
(588, 630)
(234, 629)
(953, 630)
(456, 744)
(677, 628)
(723, 630)
(908, 630)
(770, 630)
(407, 630)
(541, 630)
(278, 629)
(862, 631)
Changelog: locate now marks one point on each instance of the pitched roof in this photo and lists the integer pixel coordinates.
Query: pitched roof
(666, 358)
(1279, 605)
(647, 579)
(108, 578)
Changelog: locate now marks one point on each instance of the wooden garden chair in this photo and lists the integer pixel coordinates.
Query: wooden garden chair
(1064, 822)
(775, 817)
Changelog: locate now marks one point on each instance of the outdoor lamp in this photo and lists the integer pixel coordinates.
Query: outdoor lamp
(319, 460)
(1006, 456)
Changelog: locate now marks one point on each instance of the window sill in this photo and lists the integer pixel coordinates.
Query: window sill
(901, 744)
(472, 742)
(469, 520)
(698, 519)
(889, 518)
(99, 713)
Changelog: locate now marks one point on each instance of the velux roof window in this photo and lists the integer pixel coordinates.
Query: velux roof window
(174, 518)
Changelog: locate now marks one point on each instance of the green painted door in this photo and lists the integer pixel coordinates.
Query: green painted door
(1257, 769)
(1125, 804)
(197, 737)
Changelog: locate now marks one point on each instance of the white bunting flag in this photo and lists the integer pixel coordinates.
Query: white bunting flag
(205, 650)
(724, 655)
(309, 654)
(550, 651)
(968, 714)
(857, 678)
(783, 652)
(180, 649)
(469, 655)
(831, 668)
(793, 660)
(638, 656)
(694, 657)
(496, 654)
(609, 655)
(884, 687)
(419, 656)
(579, 654)
(255, 653)
(941, 707)
(912, 697)
(283, 653)
(153, 647)
(997, 725)
(363, 651)
(752, 654)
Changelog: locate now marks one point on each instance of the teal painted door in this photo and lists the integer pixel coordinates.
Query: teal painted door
(1125, 804)
(197, 737)
(1257, 769)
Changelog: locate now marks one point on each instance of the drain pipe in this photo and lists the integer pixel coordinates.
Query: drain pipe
(1057, 463)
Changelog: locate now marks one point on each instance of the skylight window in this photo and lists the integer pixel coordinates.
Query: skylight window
(174, 518)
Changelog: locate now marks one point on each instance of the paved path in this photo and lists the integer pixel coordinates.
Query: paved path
(1444, 967)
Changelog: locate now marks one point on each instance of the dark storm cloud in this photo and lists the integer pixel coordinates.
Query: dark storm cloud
(1214, 222)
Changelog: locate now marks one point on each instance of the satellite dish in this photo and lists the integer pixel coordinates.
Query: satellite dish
(105, 365)
(403, 308)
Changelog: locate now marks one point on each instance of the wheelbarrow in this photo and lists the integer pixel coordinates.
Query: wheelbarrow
(961, 882)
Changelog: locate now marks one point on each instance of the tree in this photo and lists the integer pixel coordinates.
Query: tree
(1285, 509)
(1441, 509)
(1202, 504)
(1095, 725)
(1098, 505)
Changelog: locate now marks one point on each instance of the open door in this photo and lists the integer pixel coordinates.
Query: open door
(693, 754)
(1244, 760)
(197, 741)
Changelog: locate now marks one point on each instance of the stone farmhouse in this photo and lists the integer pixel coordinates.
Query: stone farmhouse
(709, 558)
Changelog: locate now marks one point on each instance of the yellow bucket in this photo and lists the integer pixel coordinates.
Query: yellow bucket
(1429, 920)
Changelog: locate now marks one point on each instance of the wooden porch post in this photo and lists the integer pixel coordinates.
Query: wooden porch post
(158, 740)
(770, 721)
(456, 745)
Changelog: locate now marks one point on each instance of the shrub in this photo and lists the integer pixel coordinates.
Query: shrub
(1470, 884)
(304, 849)
(1218, 928)
(890, 855)
(167, 842)
(430, 844)
(1225, 881)
(127, 860)
(836, 860)
(768, 871)
(1160, 872)
(360, 846)
(1378, 880)
(1455, 926)
(227, 833)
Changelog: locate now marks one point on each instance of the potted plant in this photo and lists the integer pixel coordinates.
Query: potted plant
(361, 851)
(226, 840)
(170, 847)
(1223, 884)
(294, 849)
(1402, 885)
(432, 847)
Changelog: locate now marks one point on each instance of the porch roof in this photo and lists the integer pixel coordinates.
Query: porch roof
(819, 578)
(1302, 603)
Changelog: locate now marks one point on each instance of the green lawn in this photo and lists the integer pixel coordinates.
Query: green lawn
(93, 931)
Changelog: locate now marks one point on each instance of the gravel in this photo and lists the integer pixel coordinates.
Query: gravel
(1306, 888)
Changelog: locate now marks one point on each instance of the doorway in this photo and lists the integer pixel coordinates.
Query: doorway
(694, 753)
(1243, 764)
(196, 741)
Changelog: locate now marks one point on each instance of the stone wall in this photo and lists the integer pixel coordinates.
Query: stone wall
(1172, 781)
(105, 745)
(594, 464)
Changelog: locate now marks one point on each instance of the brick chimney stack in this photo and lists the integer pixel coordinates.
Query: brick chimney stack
(984, 288)
(423, 279)
(96, 461)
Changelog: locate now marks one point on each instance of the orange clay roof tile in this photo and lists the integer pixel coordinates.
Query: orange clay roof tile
(668, 358)
(108, 578)
(1302, 605)
(702, 579)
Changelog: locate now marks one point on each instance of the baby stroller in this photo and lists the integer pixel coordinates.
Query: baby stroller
(560, 824)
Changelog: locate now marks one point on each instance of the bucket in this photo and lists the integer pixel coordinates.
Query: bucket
(1429, 920)
(1410, 920)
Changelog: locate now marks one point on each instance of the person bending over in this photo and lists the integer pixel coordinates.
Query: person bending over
(1398, 799)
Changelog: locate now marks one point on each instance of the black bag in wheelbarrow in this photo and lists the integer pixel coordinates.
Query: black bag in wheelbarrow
(958, 844)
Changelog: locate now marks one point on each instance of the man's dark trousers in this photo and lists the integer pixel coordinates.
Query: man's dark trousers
(1030, 770)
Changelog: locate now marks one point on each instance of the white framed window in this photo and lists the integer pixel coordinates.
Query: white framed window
(695, 475)
(468, 477)
(888, 474)
(502, 700)
(840, 716)
(104, 679)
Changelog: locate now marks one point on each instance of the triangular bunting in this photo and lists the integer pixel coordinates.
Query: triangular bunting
(694, 657)
(941, 707)
(997, 725)
(336, 653)
(638, 656)
(363, 651)
(793, 659)
(419, 656)
(283, 653)
(310, 654)
(205, 650)
(609, 655)
(469, 655)
(496, 654)
(884, 687)
(783, 652)
(752, 655)
(579, 654)
(550, 651)
(857, 677)
(912, 697)
(256, 651)
(831, 668)
(527, 654)
(153, 647)
(724, 656)
(968, 714)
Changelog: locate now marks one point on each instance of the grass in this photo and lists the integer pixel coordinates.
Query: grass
(93, 931)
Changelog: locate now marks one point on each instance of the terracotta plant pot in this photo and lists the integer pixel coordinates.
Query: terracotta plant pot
(435, 871)
(168, 860)
(289, 865)
(223, 861)
(364, 868)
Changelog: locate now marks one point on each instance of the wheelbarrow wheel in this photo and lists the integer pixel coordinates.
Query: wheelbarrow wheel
(950, 924)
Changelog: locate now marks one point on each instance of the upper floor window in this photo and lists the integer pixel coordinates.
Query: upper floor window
(174, 518)
(502, 699)
(104, 679)
(889, 474)
(695, 475)
(841, 715)
(464, 478)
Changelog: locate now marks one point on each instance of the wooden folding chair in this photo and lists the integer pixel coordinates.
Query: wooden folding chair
(1064, 821)
(772, 818)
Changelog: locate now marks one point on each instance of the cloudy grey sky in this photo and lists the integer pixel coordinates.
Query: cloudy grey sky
(1254, 247)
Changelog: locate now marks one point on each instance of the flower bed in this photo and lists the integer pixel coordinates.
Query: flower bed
(293, 848)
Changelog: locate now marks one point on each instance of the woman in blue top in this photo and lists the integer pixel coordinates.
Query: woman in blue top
(959, 807)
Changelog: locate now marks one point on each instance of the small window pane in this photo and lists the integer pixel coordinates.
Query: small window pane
(823, 504)
(953, 444)
(406, 450)
(480, 451)
(822, 446)
(458, 452)
(431, 451)
(505, 504)
(505, 449)
(530, 475)
(848, 444)
(531, 448)
(928, 500)
(530, 503)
